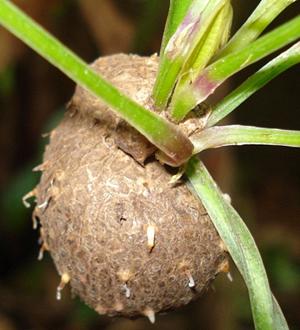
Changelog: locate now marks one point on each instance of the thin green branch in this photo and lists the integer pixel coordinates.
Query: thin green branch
(263, 15)
(241, 246)
(220, 136)
(271, 70)
(158, 130)
(215, 74)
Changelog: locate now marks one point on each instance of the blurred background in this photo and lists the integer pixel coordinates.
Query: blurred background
(264, 182)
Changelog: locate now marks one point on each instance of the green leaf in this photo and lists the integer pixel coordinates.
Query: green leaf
(271, 70)
(158, 130)
(241, 246)
(220, 136)
(215, 74)
(263, 15)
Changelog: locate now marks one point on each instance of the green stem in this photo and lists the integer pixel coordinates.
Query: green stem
(263, 15)
(241, 246)
(159, 131)
(215, 74)
(220, 136)
(271, 70)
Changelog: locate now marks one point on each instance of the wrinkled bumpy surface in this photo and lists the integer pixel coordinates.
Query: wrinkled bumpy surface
(97, 202)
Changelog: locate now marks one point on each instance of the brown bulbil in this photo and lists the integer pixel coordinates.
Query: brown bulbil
(129, 242)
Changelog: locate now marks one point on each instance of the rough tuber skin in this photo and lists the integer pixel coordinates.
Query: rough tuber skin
(128, 241)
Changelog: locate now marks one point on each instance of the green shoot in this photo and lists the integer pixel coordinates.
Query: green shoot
(217, 34)
(263, 15)
(220, 136)
(271, 70)
(179, 53)
(241, 246)
(177, 11)
(215, 74)
(159, 131)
